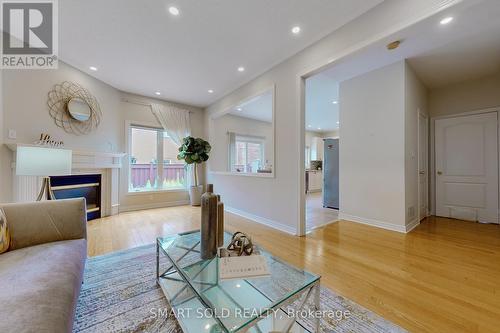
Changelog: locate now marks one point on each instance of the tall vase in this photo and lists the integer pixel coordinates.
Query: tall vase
(209, 203)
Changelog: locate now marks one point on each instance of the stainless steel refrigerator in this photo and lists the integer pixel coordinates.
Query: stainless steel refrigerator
(331, 174)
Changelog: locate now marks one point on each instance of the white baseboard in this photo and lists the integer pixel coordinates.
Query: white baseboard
(153, 205)
(412, 225)
(372, 222)
(115, 209)
(262, 220)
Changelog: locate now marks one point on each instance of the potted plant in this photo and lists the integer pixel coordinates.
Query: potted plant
(194, 151)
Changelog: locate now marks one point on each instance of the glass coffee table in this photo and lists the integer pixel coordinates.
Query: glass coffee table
(203, 303)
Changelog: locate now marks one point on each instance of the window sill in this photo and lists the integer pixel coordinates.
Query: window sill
(243, 174)
(173, 190)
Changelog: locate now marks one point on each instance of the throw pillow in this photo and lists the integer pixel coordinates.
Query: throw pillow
(4, 233)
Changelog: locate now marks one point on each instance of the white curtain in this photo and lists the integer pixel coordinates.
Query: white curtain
(176, 123)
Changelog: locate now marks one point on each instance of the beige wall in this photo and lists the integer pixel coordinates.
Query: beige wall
(25, 110)
(275, 201)
(465, 96)
(372, 163)
(416, 100)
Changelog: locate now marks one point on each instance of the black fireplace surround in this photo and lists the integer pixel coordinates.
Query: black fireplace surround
(80, 186)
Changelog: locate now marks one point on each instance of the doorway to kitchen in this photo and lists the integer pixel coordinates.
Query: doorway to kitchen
(321, 151)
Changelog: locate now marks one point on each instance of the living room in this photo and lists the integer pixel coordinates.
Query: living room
(190, 150)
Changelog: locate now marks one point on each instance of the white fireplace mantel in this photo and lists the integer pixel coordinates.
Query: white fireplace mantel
(83, 159)
(108, 164)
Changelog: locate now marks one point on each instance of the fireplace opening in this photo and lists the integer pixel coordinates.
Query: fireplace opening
(80, 186)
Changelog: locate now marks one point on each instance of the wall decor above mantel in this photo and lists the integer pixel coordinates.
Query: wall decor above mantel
(74, 108)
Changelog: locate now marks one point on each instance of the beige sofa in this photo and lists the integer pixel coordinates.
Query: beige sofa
(41, 274)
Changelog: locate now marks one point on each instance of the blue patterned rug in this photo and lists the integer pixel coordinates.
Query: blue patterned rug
(120, 294)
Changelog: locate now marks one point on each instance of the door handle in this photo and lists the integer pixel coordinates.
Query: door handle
(439, 173)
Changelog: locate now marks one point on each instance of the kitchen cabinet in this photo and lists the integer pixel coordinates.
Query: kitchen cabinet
(317, 146)
(315, 183)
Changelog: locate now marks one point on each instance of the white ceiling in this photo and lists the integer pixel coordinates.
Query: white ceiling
(322, 114)
(465, 49)
(139, 47)
(258, 108)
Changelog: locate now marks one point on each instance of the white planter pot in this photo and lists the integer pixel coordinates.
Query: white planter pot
(195, 193)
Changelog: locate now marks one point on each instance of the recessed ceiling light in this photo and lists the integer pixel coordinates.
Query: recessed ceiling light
(446, 20)
(92, 68)
(334, 102)
(319, 128)
(238, 109)
(210, 91)
(174, 10)
(309, 126)
(158, 93)
(296, 30)
(241, 69)
(338, 122)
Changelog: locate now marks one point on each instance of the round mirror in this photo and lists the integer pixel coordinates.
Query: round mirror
(79, 109)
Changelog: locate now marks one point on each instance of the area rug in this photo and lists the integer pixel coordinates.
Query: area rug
(120, 294)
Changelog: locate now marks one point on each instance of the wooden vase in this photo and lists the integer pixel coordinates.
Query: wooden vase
(208, 244)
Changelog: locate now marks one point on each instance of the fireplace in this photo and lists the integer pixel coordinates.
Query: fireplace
(105, 165)
(80, 186)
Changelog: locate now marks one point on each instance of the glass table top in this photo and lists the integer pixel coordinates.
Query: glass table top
(235, 303)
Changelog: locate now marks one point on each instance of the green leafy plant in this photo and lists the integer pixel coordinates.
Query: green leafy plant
(194, 151)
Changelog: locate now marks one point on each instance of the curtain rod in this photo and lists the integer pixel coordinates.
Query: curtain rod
(139, 102)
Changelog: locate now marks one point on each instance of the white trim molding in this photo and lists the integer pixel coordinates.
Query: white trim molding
(373, 223)
(84, 159)
(412, 225)
(131, 208)
(262, 220)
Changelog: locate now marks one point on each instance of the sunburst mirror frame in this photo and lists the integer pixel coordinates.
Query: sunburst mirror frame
(58, 99)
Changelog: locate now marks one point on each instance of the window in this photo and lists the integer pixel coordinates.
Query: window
(248, 154)
(153, 161)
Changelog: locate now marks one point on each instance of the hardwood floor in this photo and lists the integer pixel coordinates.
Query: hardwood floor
(442, 277)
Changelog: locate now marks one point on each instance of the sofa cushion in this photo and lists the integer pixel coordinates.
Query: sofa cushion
(39, 286)
(4, 233)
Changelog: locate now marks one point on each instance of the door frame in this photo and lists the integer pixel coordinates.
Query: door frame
(432, 132)
(426, 118)
(318, 67)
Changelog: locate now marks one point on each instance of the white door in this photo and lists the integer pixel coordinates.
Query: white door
(423, 178)
(467, 167)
